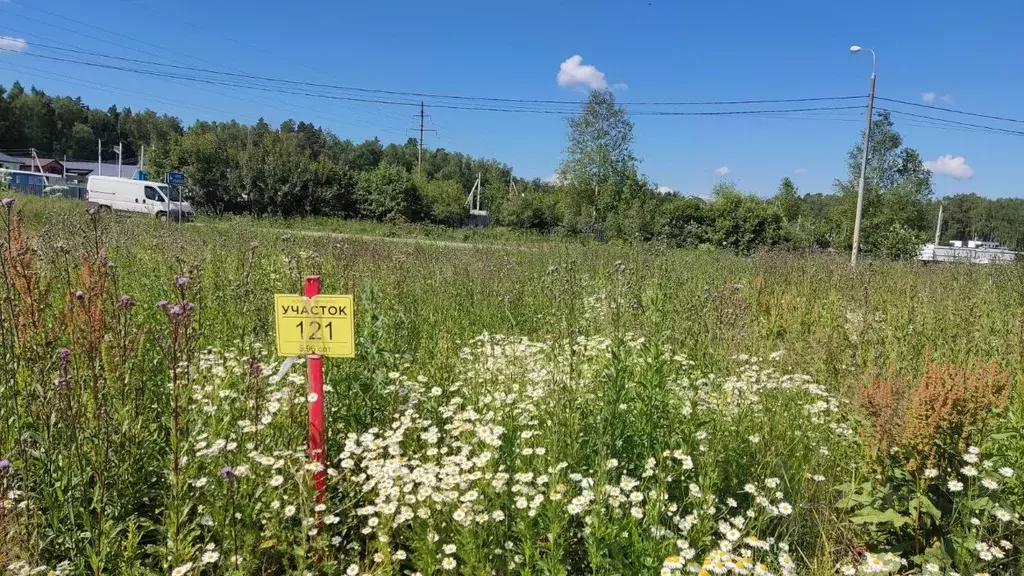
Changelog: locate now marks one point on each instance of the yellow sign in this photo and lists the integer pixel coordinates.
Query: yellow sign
(319, 325)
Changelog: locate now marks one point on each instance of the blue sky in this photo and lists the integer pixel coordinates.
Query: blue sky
(967, 55)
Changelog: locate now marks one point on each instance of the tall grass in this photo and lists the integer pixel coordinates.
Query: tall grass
(562, 409)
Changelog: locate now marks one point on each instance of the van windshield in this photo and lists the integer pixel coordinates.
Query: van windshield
(170, 193)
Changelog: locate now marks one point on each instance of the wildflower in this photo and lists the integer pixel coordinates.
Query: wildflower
(969, 471)
(772, 483)
(449, 563)
(353, 569)
(930, 473)
(637, 512)
(227, 473)
(1006, 472)
(7, 202)
(399, 555)
(331, 519)
(289, 511)
(611, 463)
(818, 478)
(200, 482)
(785, 509)
(449, 549)
(955, 485)
(732, 535)
(210, 556)
(276, 480)
(182, 570)
(312, 397)
(990, 484)
(1001, 514)
(750, 489)
(5, 465)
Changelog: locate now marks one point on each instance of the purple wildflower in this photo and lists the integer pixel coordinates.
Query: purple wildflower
(5, 465)
(127, 302)
(227, 472)
(181, 281)
(176, 311)
(253, 244)
(79, 294)
(161, 304)
(7, 202)
(64, 354)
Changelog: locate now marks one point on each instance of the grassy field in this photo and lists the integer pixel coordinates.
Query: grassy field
(566, 409)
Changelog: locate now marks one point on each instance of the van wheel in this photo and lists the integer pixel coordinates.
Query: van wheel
(104, 210)
(162, 216)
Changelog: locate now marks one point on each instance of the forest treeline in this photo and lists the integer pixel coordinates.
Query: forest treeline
(298, 169)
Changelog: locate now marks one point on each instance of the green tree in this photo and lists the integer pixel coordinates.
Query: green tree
(896, 191)
(445, 200)
(688, 222)
(599, 156)
(744, 222)
(387, 193)
(787, 199)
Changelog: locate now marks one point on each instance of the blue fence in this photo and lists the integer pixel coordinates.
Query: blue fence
(37, 185)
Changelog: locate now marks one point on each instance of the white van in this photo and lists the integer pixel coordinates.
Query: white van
(108, 193)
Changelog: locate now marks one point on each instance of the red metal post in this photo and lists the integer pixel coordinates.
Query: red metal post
(315, 366)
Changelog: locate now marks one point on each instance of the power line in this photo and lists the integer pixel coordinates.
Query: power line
(434, 95)
(951, 110)
(382, 101)
(957, 122)
(136, 48)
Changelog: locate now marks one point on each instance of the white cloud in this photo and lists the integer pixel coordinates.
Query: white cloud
(722, 171)
(665, 190)
(12, 44)
(953, 166)
(928, 97)
(555, 178)
(947, 98)
(573, 72)
(800, 171)
(620, 86)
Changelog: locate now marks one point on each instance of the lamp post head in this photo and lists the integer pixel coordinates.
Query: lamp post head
(854, 49)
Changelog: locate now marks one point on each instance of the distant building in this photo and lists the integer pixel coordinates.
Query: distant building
(976, 252)
(75, 171)
(9, 162)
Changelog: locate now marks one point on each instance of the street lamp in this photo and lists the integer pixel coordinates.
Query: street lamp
(864, 157)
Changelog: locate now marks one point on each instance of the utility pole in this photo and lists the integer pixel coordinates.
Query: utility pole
(419, 159)
(938, 226)
(118, 149)
(99, 157)
(863, 160)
